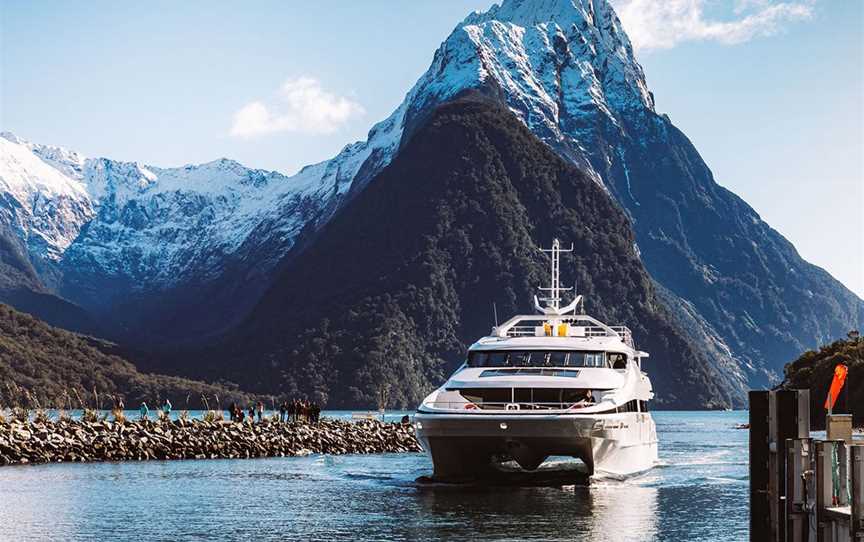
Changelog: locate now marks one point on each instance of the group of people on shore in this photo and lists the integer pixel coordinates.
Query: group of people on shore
(237, 414)
(144, 410)
(298, 410)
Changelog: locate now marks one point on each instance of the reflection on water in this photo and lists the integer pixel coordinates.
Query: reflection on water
(699, 492)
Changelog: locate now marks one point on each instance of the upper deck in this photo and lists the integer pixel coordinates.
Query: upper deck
(563, 326)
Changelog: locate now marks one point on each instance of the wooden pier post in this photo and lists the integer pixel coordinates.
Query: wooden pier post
(788, 418)
(798, 458)
(775, 416)
(760, 522)
(839, 427)
(823, 489)
(829, 521)
(843, 459)
(856, 469)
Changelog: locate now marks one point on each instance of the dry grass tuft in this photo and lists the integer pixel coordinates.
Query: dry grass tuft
(41, 416)
(214, 416)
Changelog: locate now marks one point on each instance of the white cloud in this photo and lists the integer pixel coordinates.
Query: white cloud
(653, 24)
(301, 105)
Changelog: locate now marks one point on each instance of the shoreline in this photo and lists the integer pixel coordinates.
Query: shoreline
(66, 440)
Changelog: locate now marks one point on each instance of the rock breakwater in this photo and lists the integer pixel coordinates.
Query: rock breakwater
(24, 442)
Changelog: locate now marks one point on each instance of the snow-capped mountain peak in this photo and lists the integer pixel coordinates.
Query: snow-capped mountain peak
(44, 205)
(558, 57)
(70, 163)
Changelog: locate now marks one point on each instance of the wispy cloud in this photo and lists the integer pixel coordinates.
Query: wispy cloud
(653, 24)
(301, 105)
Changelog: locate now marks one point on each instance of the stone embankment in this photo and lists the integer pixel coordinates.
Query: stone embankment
(76, 440)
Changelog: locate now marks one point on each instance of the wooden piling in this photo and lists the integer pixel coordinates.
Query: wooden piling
(801, 489)
(760, 522)
(856, 486)
(775, 416)
(798, 458)
(839, 427)
(823, 488)
(788, 418)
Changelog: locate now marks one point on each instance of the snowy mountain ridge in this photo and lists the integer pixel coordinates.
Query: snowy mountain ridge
(168, 217)
(156, 215)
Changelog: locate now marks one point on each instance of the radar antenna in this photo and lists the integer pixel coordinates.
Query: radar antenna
(552, 299)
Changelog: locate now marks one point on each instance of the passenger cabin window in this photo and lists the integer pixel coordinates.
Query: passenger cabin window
(617, 360)
(535, 358)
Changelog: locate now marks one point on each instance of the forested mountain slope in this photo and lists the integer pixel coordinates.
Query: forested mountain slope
(387, 299)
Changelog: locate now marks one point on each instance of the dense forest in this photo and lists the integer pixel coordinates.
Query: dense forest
(49, 367)
(814, 370)
(382, 306)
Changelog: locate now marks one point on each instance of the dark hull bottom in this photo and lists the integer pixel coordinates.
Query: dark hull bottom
(459, 459)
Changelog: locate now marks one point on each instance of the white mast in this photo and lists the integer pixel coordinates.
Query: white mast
(553, 299)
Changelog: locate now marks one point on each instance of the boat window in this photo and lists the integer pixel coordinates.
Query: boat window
(547, 395)
(587, 359)
(617, 360)
(522, 359)
(478, 359)
(557, 358)
(570, 395)
(488, 395)
(534, 372)
(522, 395)
(488, 359)
(629, 406)
(498, 359)
(533, 358)
(526, 398)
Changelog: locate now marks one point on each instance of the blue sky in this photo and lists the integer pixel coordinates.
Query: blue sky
(769, 92)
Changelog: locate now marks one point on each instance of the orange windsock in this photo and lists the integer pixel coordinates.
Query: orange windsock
(836, 385)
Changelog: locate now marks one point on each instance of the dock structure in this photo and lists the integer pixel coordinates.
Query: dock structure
(803, 489)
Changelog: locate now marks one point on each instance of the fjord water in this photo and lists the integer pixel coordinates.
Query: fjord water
(699, 491)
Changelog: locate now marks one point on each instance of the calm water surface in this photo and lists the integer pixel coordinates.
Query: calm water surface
(698, 492)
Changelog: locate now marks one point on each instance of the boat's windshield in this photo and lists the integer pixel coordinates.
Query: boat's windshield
(540, 358)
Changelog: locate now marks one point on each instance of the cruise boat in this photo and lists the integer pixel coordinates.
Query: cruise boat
(556, 383)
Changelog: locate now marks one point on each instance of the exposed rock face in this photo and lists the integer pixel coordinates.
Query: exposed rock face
(68, 440)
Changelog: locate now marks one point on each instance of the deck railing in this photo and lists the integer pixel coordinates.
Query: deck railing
(586, 331)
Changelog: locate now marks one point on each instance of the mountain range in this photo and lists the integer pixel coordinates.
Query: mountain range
(207, 260)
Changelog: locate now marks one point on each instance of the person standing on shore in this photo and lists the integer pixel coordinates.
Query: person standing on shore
(252, 413)
(260, 408)
(166, 409)
(282, 410)
(144, 411)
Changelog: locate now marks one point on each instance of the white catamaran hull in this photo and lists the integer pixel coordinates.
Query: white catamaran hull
(465, 446)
